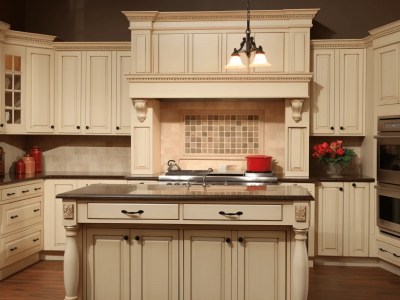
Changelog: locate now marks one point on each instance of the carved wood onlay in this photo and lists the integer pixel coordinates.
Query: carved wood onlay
(88, 46)
(141, 109)
(68, 209)
(220, 78)
(297, 105)
(301, 213)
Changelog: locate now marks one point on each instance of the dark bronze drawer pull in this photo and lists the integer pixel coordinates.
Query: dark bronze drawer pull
(394, 254)
(36, 210)
(35, 240)
(37, 189)
(10, 194)
(12, 249)
(25, 191)
(239, 213)
(139, 212)
(13, 217)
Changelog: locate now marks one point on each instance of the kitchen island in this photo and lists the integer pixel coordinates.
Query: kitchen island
(154, 241)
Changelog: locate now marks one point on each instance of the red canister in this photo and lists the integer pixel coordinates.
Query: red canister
(20, 167)
(36, 153)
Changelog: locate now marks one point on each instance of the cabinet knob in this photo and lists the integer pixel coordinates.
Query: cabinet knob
(240, 240)
(341, 128)
(137, 238)
(117, 127)
(354, 185)
(87, 127)
(332, 128)
(341, 189)
(1, 125)
(228, 240)
(52, 126)
(78, 127)
(126, 237)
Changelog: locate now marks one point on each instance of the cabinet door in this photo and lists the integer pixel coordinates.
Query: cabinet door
(14, 92)
(123, 104)
(154, 264)
(54, 238)
(351, 92)
(387, 74)
(323, 92)
(356, 229)
(107, 265)
(69, 91)
(40, 90)
(261, 267)
(207, 265)
(98, 92)
(330, 219)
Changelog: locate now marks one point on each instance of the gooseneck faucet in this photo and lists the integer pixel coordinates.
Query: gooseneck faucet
(209, 170)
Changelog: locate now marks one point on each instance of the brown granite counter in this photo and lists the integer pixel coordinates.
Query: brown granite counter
(195, 192)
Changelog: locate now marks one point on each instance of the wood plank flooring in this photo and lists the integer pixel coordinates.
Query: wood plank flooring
(44, 281)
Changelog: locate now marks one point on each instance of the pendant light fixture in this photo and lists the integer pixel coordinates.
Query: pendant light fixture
(248, 46)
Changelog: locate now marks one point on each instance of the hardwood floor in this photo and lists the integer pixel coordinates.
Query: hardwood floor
(44, 281)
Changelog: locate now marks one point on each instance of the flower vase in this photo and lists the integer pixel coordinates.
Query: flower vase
(335, 170)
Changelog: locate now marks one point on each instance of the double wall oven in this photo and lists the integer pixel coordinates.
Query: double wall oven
(388, 175)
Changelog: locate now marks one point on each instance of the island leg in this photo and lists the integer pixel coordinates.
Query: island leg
(300, 265)
(71, 263)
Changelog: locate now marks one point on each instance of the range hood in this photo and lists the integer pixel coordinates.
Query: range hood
(183, 54)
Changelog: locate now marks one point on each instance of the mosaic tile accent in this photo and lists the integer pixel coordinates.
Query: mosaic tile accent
(222, 134)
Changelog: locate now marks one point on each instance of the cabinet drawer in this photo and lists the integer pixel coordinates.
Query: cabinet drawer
(134, 211)
(232, 212)
(10, 193)
(32, 189)
(19, 214)
(388, 252)
(21, 245)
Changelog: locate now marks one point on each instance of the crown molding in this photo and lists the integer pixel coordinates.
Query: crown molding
(19, 37)
(385, 30)
(196, 16)
(339, 44)
(92, 46)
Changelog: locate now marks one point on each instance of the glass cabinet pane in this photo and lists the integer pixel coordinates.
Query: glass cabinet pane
(8, 116)
(17, 116)
(17, 82)
(8, 62)
(17, 100)
(8, 99)
(17, 63)
(8, 82)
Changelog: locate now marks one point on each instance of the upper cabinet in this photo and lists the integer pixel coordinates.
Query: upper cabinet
(91, 89)
(338, 97)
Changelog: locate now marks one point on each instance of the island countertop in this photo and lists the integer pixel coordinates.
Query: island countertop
(193, 193)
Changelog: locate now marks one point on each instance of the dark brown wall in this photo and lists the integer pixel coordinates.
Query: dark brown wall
(102, 20)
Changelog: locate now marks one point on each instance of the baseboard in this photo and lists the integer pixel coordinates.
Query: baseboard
(347, 261)
(52, 255)
(390, 267)
(18, 266)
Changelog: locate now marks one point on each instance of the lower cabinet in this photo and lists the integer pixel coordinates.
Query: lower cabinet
(217, 264)
(343, 219)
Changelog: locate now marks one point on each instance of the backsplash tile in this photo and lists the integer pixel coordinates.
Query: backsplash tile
(222, 134)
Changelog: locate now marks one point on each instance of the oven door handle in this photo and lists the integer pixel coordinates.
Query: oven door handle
(386, 136)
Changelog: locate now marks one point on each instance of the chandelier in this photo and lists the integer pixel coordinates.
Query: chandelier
(248, 46)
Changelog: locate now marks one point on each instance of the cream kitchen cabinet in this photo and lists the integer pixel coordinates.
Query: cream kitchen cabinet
(39, 90)
(14, 89)
(21, 228)
(338, 97)
(54, 235)
(92, 92)
(240, 264)
(343, 219)
(129, 263)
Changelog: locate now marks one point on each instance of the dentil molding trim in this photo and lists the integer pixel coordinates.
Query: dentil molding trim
(92, 46)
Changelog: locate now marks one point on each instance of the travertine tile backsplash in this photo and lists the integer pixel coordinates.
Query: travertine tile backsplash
(203, 146)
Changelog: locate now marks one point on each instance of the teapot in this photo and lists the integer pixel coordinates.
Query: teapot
(173, 166)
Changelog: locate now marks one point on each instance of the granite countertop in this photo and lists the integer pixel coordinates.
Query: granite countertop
(148, 192)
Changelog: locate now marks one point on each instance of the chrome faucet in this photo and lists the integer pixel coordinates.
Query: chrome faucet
(209, 170)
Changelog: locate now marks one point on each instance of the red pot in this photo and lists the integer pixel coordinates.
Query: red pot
(259, 163)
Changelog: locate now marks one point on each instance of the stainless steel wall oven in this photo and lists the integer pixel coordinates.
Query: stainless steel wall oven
(388, 174)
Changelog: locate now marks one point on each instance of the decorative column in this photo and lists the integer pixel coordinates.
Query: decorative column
(300, 265)
(71, 263)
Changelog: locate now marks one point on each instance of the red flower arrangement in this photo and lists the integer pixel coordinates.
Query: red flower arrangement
(333, 153)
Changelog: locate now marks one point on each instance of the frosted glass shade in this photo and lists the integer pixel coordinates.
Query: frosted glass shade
(235, 62)
(260, 60)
